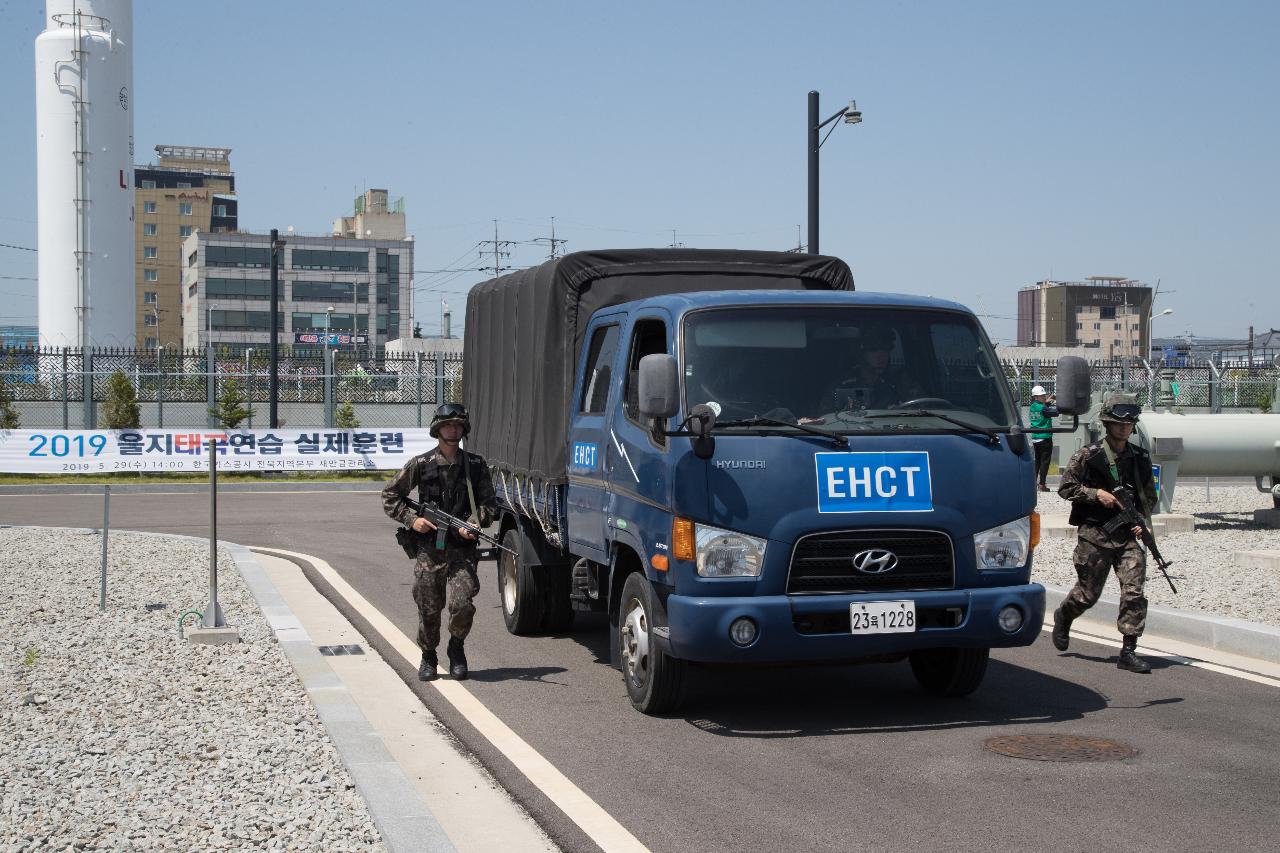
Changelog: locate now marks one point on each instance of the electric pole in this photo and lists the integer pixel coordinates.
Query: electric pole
(501, 249)
(554, 242)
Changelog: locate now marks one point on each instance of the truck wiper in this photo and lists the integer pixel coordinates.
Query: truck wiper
(756, 421)
(991, 434)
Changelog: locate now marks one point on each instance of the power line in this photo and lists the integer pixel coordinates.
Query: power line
(18, 278)
(23, 248)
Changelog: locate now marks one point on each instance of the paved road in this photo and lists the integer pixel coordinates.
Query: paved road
(818, 758)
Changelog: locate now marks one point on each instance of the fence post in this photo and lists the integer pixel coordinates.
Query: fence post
(440, 379)
(86, 372)
(66, 381)
(328, 387)
(1124, 374)
(210, 384)
(160, 387)
(1215, 388)
(417, 372)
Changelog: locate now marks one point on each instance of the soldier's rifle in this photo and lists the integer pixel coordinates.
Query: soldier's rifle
(1128, 517)
(443, 521)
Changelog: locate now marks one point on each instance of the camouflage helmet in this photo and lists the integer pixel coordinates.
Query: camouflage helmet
(450, 413)
(1120, 408)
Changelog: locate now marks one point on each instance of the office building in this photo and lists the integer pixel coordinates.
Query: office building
(334, 285)
(1110, 313)
(190, 189)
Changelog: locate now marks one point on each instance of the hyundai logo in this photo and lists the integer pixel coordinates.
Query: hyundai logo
(875, 561)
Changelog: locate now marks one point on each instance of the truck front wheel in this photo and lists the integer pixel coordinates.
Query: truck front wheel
(522, 600)
(950, 672)
(653, 678)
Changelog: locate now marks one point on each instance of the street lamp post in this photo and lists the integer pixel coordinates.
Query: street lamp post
(851, 115)
(276, 246)
(1167, 374)
(1151, 337)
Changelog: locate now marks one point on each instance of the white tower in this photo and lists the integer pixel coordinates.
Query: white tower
(84, 173)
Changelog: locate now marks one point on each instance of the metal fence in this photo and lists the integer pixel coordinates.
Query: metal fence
(65, 388)
(1187, 384)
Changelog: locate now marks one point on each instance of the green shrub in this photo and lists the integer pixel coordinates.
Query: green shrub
(232, 407)
(120, 411)
(344, 417)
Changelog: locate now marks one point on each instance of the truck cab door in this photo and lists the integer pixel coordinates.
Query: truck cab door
(638, 473)
(595, 387)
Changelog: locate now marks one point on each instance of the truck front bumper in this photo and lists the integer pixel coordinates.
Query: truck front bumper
(817, 627)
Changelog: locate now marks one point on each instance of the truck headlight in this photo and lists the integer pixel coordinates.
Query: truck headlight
(725, 554)
(1003, 547)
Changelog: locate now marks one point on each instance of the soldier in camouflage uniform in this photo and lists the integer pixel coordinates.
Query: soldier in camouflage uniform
(444, 577)
(1088, 482)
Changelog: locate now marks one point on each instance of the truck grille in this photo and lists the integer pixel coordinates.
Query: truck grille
(823, 562)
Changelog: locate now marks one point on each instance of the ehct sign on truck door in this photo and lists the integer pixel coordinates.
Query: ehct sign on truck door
(882, 481)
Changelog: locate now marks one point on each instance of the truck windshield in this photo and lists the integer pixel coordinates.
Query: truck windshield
(845, 369)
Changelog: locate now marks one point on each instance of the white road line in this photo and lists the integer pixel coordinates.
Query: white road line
(598, 824)
(1176, 658)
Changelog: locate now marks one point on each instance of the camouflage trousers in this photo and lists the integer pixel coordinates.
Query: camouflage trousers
(1093, 563)
(444, 580)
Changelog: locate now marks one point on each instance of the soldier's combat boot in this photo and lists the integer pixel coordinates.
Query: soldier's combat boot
(1129, 657)
(457, 659)
(427, 669)
(1061, 630)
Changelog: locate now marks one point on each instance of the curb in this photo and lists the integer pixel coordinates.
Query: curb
(405, 821)
(1234, 636)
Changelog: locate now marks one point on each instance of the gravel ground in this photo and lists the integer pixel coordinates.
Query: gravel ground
(1202, 568)
(116, 735)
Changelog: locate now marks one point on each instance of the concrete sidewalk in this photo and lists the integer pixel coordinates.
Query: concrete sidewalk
(423, 792)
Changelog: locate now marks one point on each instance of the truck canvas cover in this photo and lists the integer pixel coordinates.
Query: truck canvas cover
(525, 330)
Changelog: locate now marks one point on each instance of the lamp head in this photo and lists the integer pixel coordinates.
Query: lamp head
(852, 115)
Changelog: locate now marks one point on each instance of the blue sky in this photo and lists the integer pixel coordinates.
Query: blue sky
(1002, 142)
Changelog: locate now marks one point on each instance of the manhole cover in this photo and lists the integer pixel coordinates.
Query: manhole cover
(1060, 748)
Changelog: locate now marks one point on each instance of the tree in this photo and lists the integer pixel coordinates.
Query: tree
(120, 411)
(232, 408)
(344, 417)
(417, 330)
(8, 415)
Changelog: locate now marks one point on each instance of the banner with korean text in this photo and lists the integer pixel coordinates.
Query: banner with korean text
(34, 451)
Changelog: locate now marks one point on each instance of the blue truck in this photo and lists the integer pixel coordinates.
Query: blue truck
(742, 460)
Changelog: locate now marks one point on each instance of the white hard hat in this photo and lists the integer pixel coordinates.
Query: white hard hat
(1038, 390)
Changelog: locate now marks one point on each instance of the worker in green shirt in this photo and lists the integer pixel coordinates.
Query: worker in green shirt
(1043, 411)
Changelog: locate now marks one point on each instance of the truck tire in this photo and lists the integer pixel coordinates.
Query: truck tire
(558, 610)
(523, 603)
(950, 672)
(653, 678)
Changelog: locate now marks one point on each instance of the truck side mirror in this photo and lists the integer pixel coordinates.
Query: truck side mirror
(658, 381)
(1073, 385)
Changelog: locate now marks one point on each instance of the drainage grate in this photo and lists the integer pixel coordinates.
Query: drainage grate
(331, 651)
(1060, 748)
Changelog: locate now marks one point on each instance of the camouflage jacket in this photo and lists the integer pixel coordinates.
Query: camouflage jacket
(441, 483)
(1088, 471)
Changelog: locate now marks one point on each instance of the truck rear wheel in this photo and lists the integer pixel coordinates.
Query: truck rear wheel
(950, 672)
(522, 601)
(653, 678)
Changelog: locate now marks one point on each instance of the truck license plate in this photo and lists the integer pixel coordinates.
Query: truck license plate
(882, 617)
